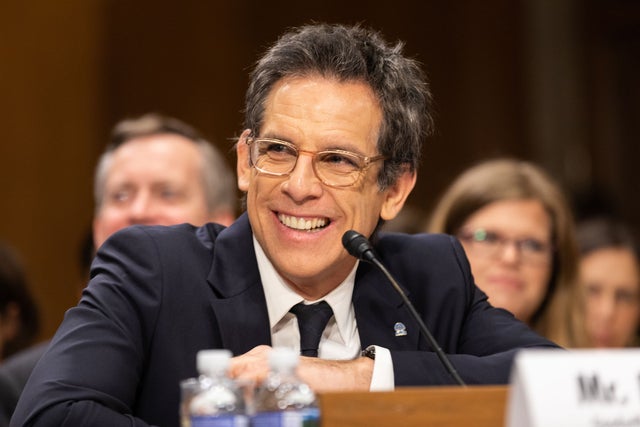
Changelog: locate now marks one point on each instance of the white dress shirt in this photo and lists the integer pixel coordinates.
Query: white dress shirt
(340, 339)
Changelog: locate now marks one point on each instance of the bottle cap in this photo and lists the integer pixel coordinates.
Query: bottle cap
(210, 361)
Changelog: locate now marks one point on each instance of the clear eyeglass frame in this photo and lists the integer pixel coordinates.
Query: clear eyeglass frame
(334, 168)
(491, 244)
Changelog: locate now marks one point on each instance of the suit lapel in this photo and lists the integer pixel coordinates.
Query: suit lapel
(381, 314)
(238, 303)
(240, 308)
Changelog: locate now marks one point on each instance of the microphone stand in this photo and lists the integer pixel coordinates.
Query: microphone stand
(432, 341)
(359, 246)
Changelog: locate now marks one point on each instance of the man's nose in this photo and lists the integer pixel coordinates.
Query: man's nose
(303, 182)
(141, 209)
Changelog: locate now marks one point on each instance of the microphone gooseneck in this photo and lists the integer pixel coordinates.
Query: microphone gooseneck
(358, 246)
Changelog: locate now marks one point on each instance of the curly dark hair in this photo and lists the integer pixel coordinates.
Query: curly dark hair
(353, 53)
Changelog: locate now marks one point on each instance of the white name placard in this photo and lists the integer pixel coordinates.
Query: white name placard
(575, 388)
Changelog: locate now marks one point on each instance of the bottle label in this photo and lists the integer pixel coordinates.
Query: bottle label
(219, 421)
(309, 417)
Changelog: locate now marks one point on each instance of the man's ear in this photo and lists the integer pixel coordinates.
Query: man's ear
(243, 168)
(397, 194)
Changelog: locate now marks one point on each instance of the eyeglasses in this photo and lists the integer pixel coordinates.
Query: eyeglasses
(335, 168)
(491, 244)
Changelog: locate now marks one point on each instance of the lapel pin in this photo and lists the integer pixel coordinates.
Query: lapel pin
(400, 329)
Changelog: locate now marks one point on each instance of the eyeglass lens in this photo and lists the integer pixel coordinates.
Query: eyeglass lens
(333, 167)
(491, 243)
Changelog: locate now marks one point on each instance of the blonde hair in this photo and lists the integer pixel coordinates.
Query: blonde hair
(505, 179)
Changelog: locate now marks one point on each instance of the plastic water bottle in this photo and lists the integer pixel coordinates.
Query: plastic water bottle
(213, 399)
(284, 400)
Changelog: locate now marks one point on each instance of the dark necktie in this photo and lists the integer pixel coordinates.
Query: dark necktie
(312, 319)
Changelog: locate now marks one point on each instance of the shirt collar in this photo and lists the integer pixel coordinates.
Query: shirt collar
(280, 297)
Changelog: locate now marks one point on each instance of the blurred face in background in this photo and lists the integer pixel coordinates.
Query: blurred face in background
(152, 180)
(9, 324)
(509, 247)
(611, 280)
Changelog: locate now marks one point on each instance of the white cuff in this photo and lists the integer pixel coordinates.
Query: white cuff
(382, 378)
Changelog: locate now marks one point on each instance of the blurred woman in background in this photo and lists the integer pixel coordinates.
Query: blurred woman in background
(518, 232)
(610, 278)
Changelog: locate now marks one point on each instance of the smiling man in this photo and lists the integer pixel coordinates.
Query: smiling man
(335, 122)
(298, 218)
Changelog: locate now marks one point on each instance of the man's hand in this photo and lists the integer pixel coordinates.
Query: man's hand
(321, 375)
(336, 375)
(252, 366)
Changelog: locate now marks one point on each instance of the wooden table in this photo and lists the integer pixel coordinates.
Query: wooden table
(472, 406)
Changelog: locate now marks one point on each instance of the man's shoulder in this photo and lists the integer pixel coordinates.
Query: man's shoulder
(402, 242)
(171, 235)
(422, 253)
(176, 244)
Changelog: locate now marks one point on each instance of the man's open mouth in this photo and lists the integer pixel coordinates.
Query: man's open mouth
(306, 224)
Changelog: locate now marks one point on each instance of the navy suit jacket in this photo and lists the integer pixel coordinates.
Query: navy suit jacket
(160, 294)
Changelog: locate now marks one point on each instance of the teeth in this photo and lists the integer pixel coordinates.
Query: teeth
(302, 223)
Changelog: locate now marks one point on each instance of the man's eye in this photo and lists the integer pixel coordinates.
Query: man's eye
(340, 160)
(277, 149)
(119, 196)
(168, 194)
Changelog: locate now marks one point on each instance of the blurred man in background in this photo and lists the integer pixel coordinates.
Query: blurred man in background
(156, 170)
(160, 171)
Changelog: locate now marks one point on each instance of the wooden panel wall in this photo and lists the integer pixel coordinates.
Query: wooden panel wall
(70, 70)
(51, 108)
(193, 62)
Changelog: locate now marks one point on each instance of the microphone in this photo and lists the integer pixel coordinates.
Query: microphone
(358, 246)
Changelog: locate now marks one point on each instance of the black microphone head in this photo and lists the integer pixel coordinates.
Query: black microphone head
(357, 245)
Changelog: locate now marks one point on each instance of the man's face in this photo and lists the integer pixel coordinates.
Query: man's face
(153, 180)
(315, 114)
